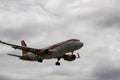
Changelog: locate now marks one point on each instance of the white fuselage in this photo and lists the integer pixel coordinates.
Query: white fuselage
(60, 50)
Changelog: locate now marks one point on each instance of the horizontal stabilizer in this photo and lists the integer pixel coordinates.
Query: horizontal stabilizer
(15, 55)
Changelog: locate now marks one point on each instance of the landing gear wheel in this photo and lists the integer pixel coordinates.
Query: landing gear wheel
(40, 60)
(57, 63)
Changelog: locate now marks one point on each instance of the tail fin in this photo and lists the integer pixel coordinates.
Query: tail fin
(23, 44)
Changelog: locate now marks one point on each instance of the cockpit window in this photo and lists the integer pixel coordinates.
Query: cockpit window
(73, 40)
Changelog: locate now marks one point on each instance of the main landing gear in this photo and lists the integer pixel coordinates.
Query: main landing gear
(40, 60)
(57, 63)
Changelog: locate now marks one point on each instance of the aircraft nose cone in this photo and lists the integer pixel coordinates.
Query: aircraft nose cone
(81, 44)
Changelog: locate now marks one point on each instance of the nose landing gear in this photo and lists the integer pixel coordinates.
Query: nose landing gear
(58, 63)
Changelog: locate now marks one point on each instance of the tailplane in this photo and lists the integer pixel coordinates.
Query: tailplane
(23, 44)
(15, 55)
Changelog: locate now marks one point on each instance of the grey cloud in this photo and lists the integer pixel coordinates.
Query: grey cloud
(51, 21)
(109, 72)
(96, 15)
(2, 77)
(107, 19)
(62, 73)
(16, 33)
(25, 6)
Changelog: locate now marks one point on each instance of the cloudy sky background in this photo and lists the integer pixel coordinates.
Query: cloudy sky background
(45, 22)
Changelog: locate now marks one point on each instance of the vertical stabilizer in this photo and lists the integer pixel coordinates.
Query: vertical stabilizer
(23, 44)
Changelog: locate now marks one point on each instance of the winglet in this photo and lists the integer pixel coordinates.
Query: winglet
(78, 55)
(2, 42)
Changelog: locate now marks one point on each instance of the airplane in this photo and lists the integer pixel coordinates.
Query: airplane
(56, 51)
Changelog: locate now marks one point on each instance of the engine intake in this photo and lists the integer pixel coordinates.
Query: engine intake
(43, 52)
(69, 57)
(46, 51)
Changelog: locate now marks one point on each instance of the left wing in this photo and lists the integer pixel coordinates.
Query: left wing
(28, 49)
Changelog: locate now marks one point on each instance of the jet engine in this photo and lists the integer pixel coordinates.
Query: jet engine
(69, 57)
(43, 52)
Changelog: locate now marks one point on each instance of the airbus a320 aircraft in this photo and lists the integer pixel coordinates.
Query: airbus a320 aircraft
(57, 51)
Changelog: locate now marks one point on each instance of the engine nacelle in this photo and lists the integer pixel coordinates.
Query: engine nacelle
(69, 57)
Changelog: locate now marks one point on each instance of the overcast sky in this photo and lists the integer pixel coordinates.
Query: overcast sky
(44, 22)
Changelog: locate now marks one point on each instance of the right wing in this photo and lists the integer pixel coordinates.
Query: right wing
(28, 49)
